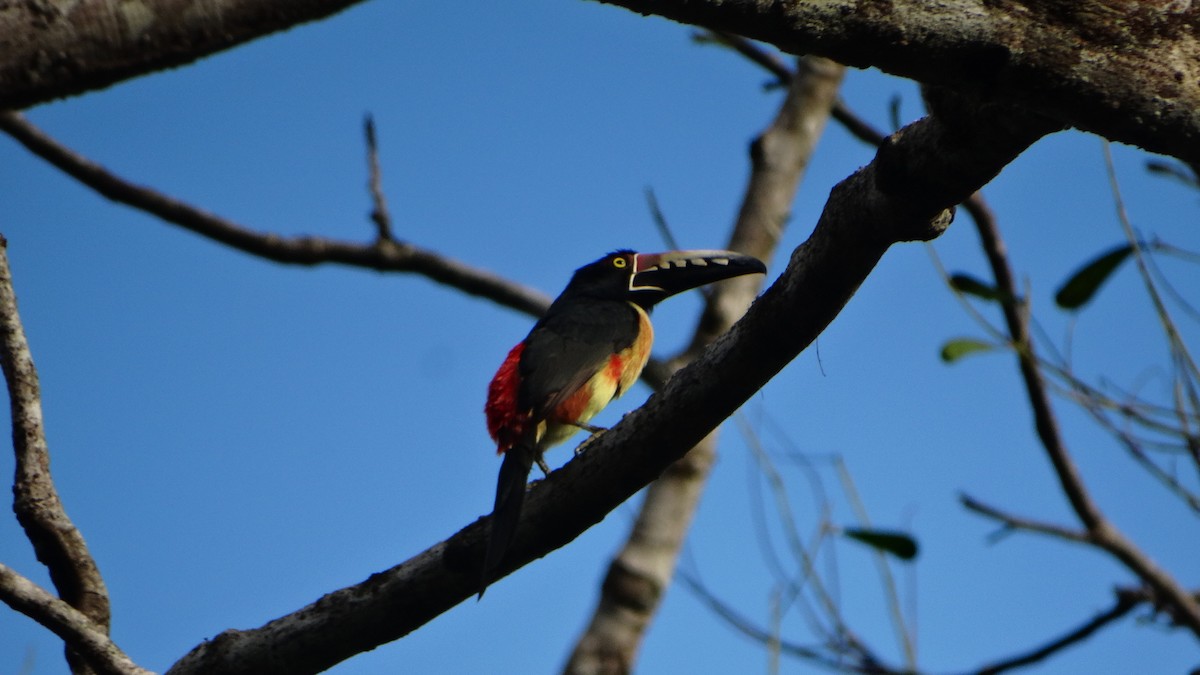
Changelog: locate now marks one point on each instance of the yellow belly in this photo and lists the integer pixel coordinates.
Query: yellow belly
(609, 382)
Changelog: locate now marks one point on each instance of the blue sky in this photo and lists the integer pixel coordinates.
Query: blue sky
(235, 438)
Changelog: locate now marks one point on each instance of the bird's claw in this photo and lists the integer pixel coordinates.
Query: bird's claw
(595, 433)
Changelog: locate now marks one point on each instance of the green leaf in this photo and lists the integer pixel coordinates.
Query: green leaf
(960, 347)
(965, 283)
(898, 544)
(1174, 170)
(1082, 285)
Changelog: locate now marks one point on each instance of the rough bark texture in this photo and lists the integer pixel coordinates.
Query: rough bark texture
(640, 574)
(86, 638)
(58, 544)
(56, 48)
(1128, 70)
(905, 194)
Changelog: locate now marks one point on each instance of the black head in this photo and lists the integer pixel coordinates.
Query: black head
(648, 278)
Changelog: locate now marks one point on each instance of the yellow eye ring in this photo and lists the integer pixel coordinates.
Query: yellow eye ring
(619, 263)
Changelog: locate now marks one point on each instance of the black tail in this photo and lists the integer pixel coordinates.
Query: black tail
(506, 513)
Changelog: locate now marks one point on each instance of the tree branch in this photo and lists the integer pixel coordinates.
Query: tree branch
(639, 575)
(53, 49)
(1019, 523)
(1100, 531)
(76, 629)
(1126, 602)
(904, 194)
(379, 214)
(383, 254)
(58, 544)
(851, 122)
(1125, 71)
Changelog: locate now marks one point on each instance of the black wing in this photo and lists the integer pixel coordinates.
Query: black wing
(570, 345)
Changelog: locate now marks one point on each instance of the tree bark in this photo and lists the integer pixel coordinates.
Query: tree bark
(56, 541)
(56, 48)
(1128, 71)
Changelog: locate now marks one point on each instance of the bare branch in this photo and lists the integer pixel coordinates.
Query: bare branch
(58, 544)
(379, 214)
(87, 638)
(903, 195)
(383, 254)
(849, 120)
(1019, 523)
(1100, 531)
(1125, 603)
(54, 49)
(748, 628)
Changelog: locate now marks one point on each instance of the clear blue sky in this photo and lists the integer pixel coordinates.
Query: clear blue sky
(236, 438)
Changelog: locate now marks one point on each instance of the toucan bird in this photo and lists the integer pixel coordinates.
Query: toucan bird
(587, 349)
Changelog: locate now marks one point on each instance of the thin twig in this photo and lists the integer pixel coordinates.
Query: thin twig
(1101, 532)
(1186, 371)
(903, 633)
(1125, 603)
(381, 255)
(379, 214)
(1020, 523)
(748, 628)
(660, 220)
(850, 121)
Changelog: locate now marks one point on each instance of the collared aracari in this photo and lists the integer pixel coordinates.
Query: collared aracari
(588, 349)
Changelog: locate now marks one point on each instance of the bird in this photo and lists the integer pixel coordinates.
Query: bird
(587, 349)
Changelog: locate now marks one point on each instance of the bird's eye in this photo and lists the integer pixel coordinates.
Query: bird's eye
(620, 263)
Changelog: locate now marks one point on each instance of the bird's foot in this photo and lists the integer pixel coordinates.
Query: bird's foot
(595, 433)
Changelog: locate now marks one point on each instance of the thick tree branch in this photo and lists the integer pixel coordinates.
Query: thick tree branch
(383, 254)
(1128, 71)
(56, 48)
(904, 194)
(86, 637)
(58, 544)
(639, 575)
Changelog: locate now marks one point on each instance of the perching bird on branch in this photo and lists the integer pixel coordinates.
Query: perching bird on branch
(588, 349)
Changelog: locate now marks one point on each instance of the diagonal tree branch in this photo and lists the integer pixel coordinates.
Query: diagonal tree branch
(74, 627)
(54, 48)
(383, 254)
(1125, 603)
(1012, 522)
(1126, 71)
(639, 575)
(58, 544)
(1099, 531)
(905, 194)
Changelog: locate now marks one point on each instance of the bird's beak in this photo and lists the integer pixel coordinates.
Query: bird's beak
(665, 274)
